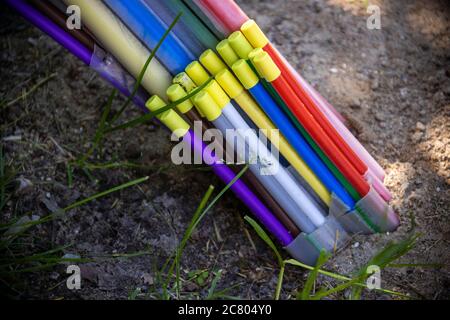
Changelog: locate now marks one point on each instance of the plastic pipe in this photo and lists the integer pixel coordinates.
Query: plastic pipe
(240, 189)
(229, 16)
(112, 72)
(175, 92)
(330, 165)
(236, 91)
(266, 68)
(208, 19)
(251, 82)
(270, 71)
(322, 113)
(58, 17)
(338, 123)
(315, 112)
(181, 30)
(256, 147)
(214, 110)
(369, 176)
(196, 26)
(52, 29)
(177, 125)
(214, 114)
(227, 13)
(149, 28)
(120, 42)
(283, 178)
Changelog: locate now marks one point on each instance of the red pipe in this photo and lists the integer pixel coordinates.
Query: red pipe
(348, 152)
(228, 13)
(317, 133)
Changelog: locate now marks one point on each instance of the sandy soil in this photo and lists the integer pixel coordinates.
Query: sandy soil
(392, 85)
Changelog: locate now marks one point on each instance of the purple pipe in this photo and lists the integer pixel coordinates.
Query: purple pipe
(239, 188)
(46, 25)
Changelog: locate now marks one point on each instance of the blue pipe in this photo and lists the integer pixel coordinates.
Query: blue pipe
(150, 29)
(181, 30)
(299, 144)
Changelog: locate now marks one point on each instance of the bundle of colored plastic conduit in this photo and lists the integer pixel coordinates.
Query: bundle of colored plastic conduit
(321, 166)
(231, 18)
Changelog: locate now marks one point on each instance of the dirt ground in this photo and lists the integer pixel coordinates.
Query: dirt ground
(392, 85)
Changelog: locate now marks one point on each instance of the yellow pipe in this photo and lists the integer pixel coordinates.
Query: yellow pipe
(250, 107)
(235, 90)
(120, 42)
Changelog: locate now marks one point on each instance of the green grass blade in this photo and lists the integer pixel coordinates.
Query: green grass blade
(81, 202)
(144, 69)
(312, 277)
(338, 276)
(150, 115)
(279, 282)
(198, 216)
(105, 193)
(188, 234)
(212, 288)
(390, 253)
(338, 288)
(265, 237)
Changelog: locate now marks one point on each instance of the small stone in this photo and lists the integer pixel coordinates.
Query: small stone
(24, 185)
(54, 275)
(355, 104)
(379, 116)
(403, 92)
(71, 256)
(438, 189)
(147, 278)
(356, 245)
(334, 70)
(420, 126)
(404, 186)
(416, 137)
(375, 84)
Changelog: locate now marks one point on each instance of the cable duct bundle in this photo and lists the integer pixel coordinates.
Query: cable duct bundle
(311, 186)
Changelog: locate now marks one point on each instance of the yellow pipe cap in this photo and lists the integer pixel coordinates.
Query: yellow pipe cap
(254, 53)
(229, 83)
(226, 52)
(254, 34)
(175, 92)
(240, 44)
(208, 106)
(197, 73)
(170, 118)
(266, 66)
(186, 83)
(183, 80)
(217, 93)
(211, 61)
(245, 74)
